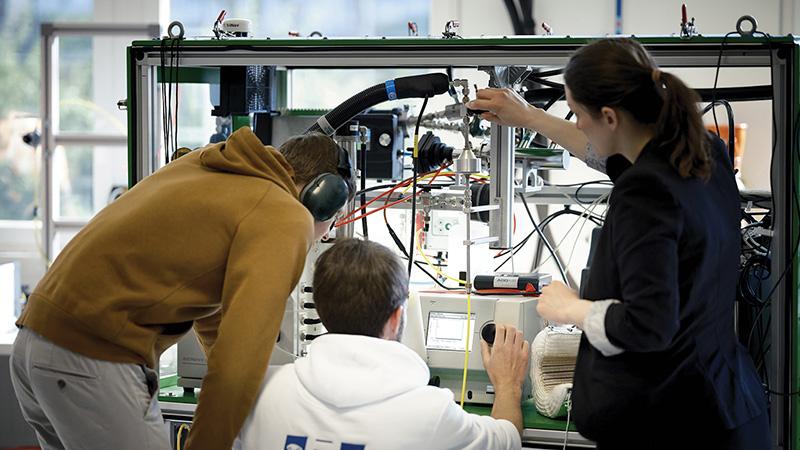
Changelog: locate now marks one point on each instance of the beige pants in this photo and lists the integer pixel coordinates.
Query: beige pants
(76, 402)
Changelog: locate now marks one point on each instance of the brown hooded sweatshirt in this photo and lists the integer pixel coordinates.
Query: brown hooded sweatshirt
(216, 239)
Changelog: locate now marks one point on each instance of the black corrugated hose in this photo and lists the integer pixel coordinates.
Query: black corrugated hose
(417, 86)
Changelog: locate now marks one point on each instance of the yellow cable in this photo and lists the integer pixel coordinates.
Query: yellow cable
(416, 145)
(432, 266)
(420, 178)
(466, 353)
(469, 314)
(181, 428)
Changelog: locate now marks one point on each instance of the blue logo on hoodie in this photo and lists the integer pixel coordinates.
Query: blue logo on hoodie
(295, 442)
(346, 446)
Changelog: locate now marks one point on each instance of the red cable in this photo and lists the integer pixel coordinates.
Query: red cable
(388, 195)
(397, 186)
(382, 208)
(402, 183)
(385, 205)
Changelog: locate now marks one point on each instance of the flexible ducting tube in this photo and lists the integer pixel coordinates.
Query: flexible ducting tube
(417, 86)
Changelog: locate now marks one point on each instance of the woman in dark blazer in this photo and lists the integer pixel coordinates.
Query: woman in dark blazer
(659, 365)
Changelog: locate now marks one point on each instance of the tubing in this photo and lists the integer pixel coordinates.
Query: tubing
(416, 86)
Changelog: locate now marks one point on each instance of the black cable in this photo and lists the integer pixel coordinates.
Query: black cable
(378, 187)
(542, 225)
(528, 24)
(552, 102)
(165, 130)
(516, 21)
(731, 125)
(747, 272)
(716, 77)
(543, 82)
(402, 249)
(375, 188)
(549, 73)
(597, 220)
(790, 263)
(606, 182)
(578, 191)
(782, 394)
(169, 103)
(543, 238)
(363, 175)
(795, 151)
(177, 43)
(415, 164)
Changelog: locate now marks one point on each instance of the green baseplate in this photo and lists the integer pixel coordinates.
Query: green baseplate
(171, 392)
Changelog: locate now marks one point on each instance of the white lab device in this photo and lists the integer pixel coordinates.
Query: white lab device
(192, 363)
(444, 317)
(300, 325)
(237, 27)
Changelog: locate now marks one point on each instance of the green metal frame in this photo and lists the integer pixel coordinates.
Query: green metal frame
(510, 44)
(473, 42)
(794, 306)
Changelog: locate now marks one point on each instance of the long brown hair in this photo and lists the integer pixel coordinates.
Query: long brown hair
(618, 72)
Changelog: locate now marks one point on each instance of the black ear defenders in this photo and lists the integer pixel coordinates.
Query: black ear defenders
(327, 193)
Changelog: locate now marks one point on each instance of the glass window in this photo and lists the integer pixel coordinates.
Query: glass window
(20, 23)
(86, 178)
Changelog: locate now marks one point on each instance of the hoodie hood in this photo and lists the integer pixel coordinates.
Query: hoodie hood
(244, 154)
(346, 370)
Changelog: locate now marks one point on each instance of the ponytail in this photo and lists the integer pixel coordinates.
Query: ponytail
(618, 72)
(680, 128)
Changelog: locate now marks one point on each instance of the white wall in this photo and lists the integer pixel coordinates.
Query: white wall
(110, 85)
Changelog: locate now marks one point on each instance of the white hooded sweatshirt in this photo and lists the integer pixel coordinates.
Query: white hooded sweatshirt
(362, 393)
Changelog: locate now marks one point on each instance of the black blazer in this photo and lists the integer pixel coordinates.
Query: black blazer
(669, 251)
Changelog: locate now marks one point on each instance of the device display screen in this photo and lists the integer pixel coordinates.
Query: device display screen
(448, 331)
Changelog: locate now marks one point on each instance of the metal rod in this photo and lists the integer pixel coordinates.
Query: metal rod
(90, 139)
(70, 223)
(49, 124)
(501, 193)
(475, 209)
(479, 241)
(468, 241)
(95, 29)
(305, 56)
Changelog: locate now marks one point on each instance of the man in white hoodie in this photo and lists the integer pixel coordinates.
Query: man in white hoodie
(360, 389)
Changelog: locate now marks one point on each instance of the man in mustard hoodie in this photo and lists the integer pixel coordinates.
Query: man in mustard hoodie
(216, 239)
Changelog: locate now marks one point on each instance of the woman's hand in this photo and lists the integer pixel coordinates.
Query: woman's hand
(558, 303)
(505, 107)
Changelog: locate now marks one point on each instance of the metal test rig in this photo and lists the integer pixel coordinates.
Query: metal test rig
(210, 61)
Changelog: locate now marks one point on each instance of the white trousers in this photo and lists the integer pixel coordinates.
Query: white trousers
(76, 402)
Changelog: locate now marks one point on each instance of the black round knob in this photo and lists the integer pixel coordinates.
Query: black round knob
(487, 333)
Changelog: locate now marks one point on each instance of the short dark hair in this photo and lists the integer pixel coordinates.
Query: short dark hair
(618, 72)
(313, 154)
(357, 286)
